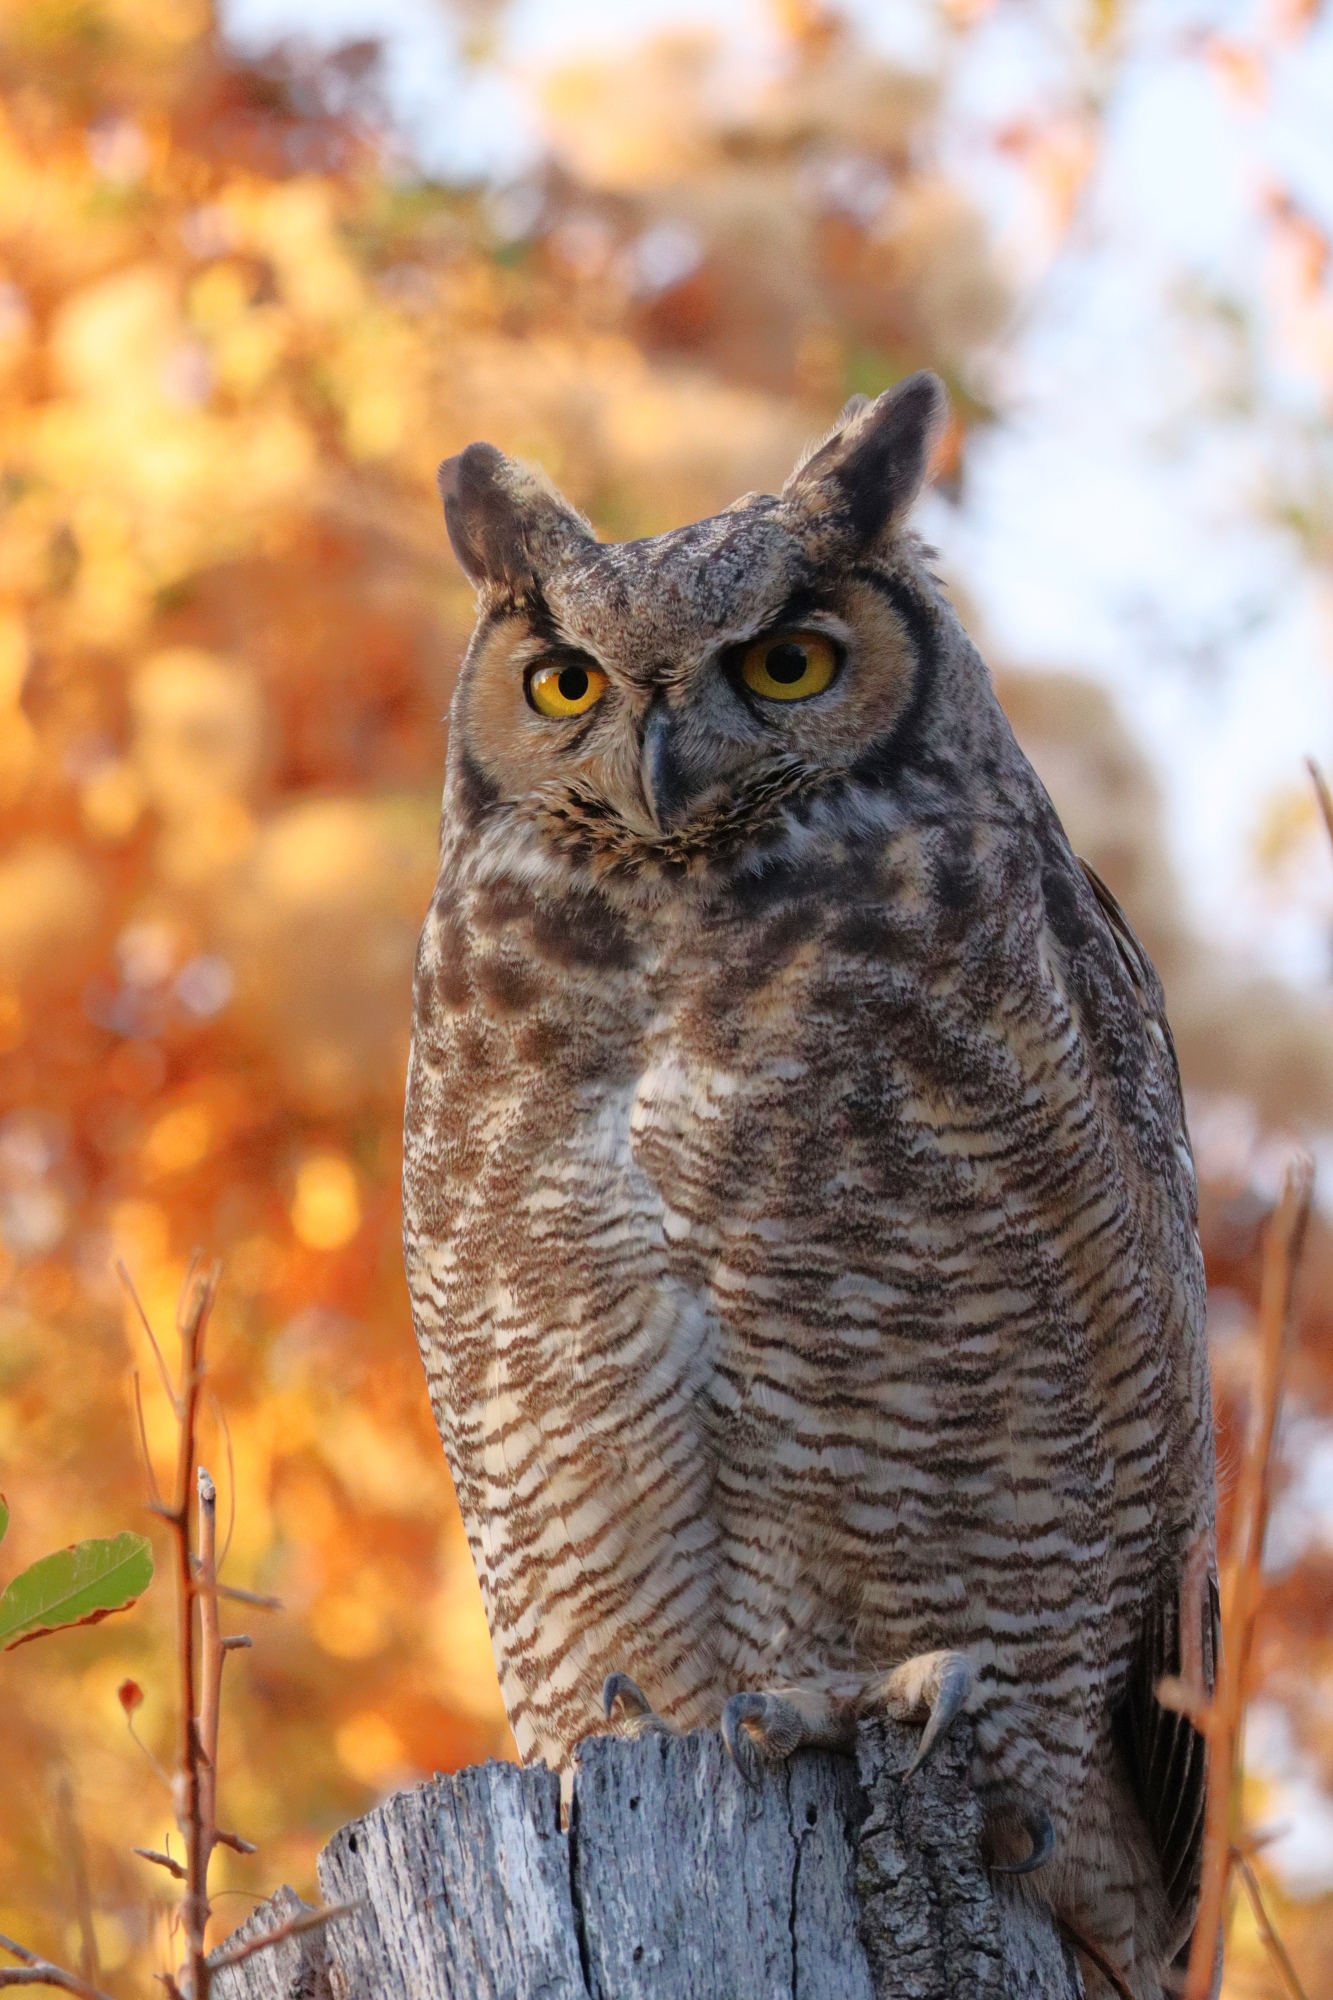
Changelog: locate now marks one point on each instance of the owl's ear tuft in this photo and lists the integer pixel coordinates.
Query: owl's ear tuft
(871, 469)
(507, 523)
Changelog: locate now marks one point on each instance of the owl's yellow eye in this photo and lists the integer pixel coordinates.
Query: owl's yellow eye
(789, 666)
(566, 687)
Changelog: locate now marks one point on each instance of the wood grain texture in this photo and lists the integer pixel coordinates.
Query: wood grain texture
(691, 1883)
(934, 1919)
(830, 1881)
(296, 1969)
(466, 1888)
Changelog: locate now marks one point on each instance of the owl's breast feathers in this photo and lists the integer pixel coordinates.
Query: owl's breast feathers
(904, 1120)
(816, 1258)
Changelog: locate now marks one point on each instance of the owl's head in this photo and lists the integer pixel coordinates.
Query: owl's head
(646, 706)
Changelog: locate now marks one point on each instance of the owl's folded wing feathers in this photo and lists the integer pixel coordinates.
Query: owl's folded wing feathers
(1165, 1753)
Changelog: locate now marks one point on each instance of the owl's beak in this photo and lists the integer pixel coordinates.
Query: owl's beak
(669, 786)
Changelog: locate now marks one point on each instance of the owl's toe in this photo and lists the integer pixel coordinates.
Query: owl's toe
(939, 1683)
(629, 1711)
(759, 1728)
(1041, 1831)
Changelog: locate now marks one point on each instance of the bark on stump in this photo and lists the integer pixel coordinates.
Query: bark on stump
(830, 1881)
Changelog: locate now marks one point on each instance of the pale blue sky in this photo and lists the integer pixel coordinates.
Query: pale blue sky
(1107, 527)
(1103, 529)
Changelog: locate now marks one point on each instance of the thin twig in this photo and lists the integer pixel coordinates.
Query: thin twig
(211, 1657)
(247, 1597)
(158, 1772)
(1223, 1720)
(166, 1861)
(1322, 794)
(71, 1840)
(40, 1972)
(149, 1473)
(192, 1775)
(221, 1415)
(163, 1373)
(1277, 1951)
(311, 1920)
(1092, 1951)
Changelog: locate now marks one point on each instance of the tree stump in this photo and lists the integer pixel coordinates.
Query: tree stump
(831, 1880)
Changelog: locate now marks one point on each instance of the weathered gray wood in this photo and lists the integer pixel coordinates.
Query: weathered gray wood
(296, 1969)
(936, 1923)
(465, 1886)
(689, 1883)
(830, 1881)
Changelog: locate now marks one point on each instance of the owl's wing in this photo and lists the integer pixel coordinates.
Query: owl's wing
(1165, 1753)
(1143, 978)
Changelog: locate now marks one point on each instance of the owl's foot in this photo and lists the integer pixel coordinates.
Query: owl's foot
(773, 1724)
(1040, 1829)
(760, 1728)
(629, 1711)
(938, 1683)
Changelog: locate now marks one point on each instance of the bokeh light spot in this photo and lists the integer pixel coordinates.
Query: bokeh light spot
(178, 1141)
(326, 1211)
(370, 1748)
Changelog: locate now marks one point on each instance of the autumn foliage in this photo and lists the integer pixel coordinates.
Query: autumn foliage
(234, 343)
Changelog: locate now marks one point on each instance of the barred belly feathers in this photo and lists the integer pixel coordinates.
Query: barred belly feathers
(800, 1219)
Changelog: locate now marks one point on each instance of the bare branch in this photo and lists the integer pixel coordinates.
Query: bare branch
(225, 1428)
(311, 1920)
(1241, 1589)
(1277, 1951)
(211, 1655)
(158, 1772)
(40, 1972)
(71, 1840)
(234, 1841)
(153, 1487)
(253, 1597)
(166, 1861)
(163, 1373)
(1322, 794)
(195, 1764)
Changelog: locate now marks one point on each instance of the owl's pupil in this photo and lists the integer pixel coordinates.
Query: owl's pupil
(573, 683)
(785, 663)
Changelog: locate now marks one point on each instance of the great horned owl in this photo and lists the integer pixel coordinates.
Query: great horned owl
(800, 1220)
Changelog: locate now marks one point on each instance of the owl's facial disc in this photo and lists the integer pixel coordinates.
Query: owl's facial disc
(675, 689)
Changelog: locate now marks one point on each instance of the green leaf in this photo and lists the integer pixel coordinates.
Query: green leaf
(75, 1586)
(4, 1517)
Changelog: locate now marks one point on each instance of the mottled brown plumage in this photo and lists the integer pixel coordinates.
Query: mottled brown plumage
(799, 1211)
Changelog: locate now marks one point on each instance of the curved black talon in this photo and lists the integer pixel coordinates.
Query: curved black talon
(740, 1710)
(620, 1692)
(955, 1684)
(1041, 1828)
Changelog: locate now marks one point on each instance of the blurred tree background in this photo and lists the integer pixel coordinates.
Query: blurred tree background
(236, 336)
